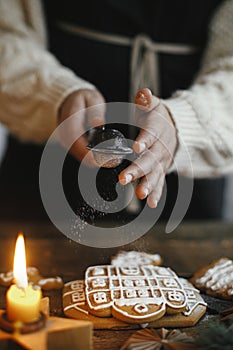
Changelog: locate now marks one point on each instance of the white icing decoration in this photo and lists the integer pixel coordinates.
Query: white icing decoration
(77, 285)
(140, 317)
(78, 296)
(98, 282)
(96, 271)
(44, 281)
(193, 297)
(127, 283)
(190, 294)
(169, 283)
(145, 289)
(140, 283)
(141, 308)
(134, 258)
(142, 293)
(130, 270)
(100, 297)
(6, 277)
(131, 293)
(219, 277)
(163, 271)
(175, 296)
(191, 305)
(76, 306)
(130, 302)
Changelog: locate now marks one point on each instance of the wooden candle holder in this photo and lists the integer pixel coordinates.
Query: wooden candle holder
(56, 334)
(23, 328)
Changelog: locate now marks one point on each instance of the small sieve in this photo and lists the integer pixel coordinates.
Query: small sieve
(109, 146)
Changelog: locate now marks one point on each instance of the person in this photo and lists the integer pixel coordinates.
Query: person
(180, 42)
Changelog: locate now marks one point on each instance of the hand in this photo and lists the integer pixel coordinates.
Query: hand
(156, 145)
(77, 102)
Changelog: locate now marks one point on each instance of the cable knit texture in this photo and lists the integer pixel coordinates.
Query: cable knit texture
(33, 84)
(204, 113)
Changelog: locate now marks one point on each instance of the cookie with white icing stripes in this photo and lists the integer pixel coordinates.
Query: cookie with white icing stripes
(136, 258)
(133, 295)
(216, 279)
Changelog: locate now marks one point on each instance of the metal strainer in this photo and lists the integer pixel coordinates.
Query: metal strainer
(109, 146)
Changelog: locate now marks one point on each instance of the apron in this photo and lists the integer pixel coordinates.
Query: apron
(110, 43)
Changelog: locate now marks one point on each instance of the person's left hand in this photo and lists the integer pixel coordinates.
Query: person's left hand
(156, 145)
(74, 109)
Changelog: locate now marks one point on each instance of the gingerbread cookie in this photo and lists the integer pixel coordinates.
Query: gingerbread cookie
(133, 295)
(34, 278)
(216, 279)
(135, 258)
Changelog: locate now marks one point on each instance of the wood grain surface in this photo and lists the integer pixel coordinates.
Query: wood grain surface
(189, 247)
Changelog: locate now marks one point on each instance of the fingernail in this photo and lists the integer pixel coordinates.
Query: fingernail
(145, 192)
(141, 147)
(141, 99)
(152, 203)
(128, 178)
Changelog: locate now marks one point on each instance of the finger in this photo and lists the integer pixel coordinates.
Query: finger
(156, 194)
(149, 129)
(72, 105)
(73, 115)
(145, 100)
(149, 183)
(143, 141)
(157, 157)
(72, 137)
(96, 109)
(139, 168)
(153, 125)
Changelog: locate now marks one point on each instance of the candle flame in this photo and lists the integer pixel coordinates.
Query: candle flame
(20, 269)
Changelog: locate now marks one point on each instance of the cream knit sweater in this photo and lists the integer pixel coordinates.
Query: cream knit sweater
(33, 84)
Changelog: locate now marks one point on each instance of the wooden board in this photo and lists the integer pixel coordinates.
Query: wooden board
(58, 334)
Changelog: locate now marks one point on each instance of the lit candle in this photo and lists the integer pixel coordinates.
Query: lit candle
(22, 301)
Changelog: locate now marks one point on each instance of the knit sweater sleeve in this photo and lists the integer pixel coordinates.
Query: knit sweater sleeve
(33, 83)
(203, 114)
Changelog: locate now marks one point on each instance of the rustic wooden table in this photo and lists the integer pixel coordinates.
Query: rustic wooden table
(189, 247)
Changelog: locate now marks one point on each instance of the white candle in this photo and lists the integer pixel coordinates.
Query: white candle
(22, 301)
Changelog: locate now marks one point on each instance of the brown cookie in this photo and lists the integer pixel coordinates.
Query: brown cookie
(34, 278)
(135, 258)
(216, 279)
(146, 297)
(134, 294)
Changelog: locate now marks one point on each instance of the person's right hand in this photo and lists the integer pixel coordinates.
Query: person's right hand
(76, 102)
(156, 144)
